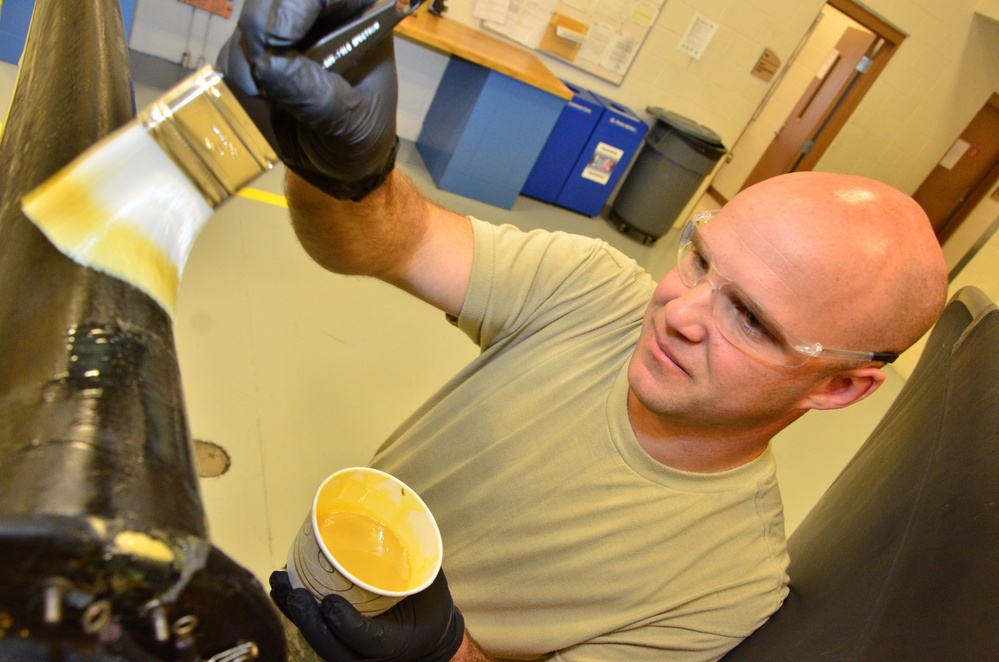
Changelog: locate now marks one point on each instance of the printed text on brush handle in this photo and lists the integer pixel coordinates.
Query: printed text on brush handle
(342, 49)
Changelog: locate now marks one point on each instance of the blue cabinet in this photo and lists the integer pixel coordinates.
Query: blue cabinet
(484, 131)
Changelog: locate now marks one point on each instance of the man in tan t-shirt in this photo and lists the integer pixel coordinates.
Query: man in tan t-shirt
(793, 297)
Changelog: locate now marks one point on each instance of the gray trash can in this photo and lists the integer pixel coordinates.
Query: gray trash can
(677, 155)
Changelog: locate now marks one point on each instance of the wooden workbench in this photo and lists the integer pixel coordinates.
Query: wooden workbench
(454, 38)
(493, 110)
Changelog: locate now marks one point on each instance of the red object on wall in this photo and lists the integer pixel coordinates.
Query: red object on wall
(221, 7)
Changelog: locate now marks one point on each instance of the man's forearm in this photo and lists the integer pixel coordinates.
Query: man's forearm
(394, 234)
(470, 651)
(374, 237)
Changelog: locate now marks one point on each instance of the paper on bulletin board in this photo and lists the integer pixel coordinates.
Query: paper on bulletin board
(491, 10)
(614, 31)
(615, 8)
(597, 41)
(621, 52)
(526, 21)
(608, 49)
(644, 14)
(584, 6)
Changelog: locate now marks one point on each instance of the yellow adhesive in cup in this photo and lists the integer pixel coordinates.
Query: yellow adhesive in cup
(366, 548)
(368, 538)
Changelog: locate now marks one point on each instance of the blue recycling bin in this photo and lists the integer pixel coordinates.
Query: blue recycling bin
(570, 134)
(603, 160)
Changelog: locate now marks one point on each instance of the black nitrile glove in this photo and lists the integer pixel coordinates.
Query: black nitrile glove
(425, 626)
(336, 133)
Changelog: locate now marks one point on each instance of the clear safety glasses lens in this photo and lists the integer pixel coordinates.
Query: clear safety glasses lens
(741, 320)
(738, 318)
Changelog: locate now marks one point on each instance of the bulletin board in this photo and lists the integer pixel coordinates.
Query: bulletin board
(601, 37)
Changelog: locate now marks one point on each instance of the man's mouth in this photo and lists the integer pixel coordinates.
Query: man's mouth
(665, 353)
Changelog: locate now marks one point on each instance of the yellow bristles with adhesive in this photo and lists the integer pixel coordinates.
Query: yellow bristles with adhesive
(124, 209)
(132, 205)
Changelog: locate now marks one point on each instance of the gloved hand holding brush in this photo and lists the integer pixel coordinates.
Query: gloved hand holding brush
(336, 132)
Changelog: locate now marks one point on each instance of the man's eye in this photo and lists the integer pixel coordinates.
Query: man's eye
(750, 322)
(698, 262)
(750, 325)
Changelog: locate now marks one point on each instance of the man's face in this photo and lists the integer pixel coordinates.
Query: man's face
(683, 369)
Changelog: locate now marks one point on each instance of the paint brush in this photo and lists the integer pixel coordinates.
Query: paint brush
(133, 204)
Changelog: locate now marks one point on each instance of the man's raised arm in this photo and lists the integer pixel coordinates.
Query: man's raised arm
(352, 210)
(393, 233)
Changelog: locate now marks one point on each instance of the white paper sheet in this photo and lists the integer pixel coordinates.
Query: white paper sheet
(697, 37)
(526, 21)
(491, 10)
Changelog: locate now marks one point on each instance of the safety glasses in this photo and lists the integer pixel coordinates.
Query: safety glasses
(740, 319)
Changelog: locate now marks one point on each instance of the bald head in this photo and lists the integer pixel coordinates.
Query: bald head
(858, 258)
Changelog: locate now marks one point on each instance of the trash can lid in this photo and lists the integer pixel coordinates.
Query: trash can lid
(685, 125)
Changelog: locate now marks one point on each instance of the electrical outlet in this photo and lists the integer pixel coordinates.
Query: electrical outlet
(222, 8)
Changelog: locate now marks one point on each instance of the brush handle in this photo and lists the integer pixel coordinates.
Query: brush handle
(339, 51)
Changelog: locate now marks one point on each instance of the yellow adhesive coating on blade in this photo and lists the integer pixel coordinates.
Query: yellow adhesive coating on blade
(137, 543)
(79, 227)
(123, 208)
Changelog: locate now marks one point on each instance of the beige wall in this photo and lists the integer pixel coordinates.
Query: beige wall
(982, 271)
(942, 75)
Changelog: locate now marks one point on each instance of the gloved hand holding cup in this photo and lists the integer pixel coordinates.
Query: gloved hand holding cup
(364, 580)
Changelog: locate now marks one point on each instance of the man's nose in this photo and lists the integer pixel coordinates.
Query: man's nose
(690, 313)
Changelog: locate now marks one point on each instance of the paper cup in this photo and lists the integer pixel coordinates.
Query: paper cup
(356, 560)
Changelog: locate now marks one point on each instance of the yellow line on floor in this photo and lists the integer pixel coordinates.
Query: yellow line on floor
(263, 196)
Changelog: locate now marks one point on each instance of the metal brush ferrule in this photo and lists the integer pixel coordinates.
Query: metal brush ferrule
(200, 125)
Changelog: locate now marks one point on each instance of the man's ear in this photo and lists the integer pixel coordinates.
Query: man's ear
(844, 388)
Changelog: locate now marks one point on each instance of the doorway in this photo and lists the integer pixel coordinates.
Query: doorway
(825, 79)
(964, 175)
(796, 137)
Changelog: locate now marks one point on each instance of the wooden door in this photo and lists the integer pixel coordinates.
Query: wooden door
(964, 174)
(814, 107)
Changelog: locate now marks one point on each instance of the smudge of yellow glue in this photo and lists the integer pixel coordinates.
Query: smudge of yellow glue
(136, 543)
(97, 236)
(367, 548)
